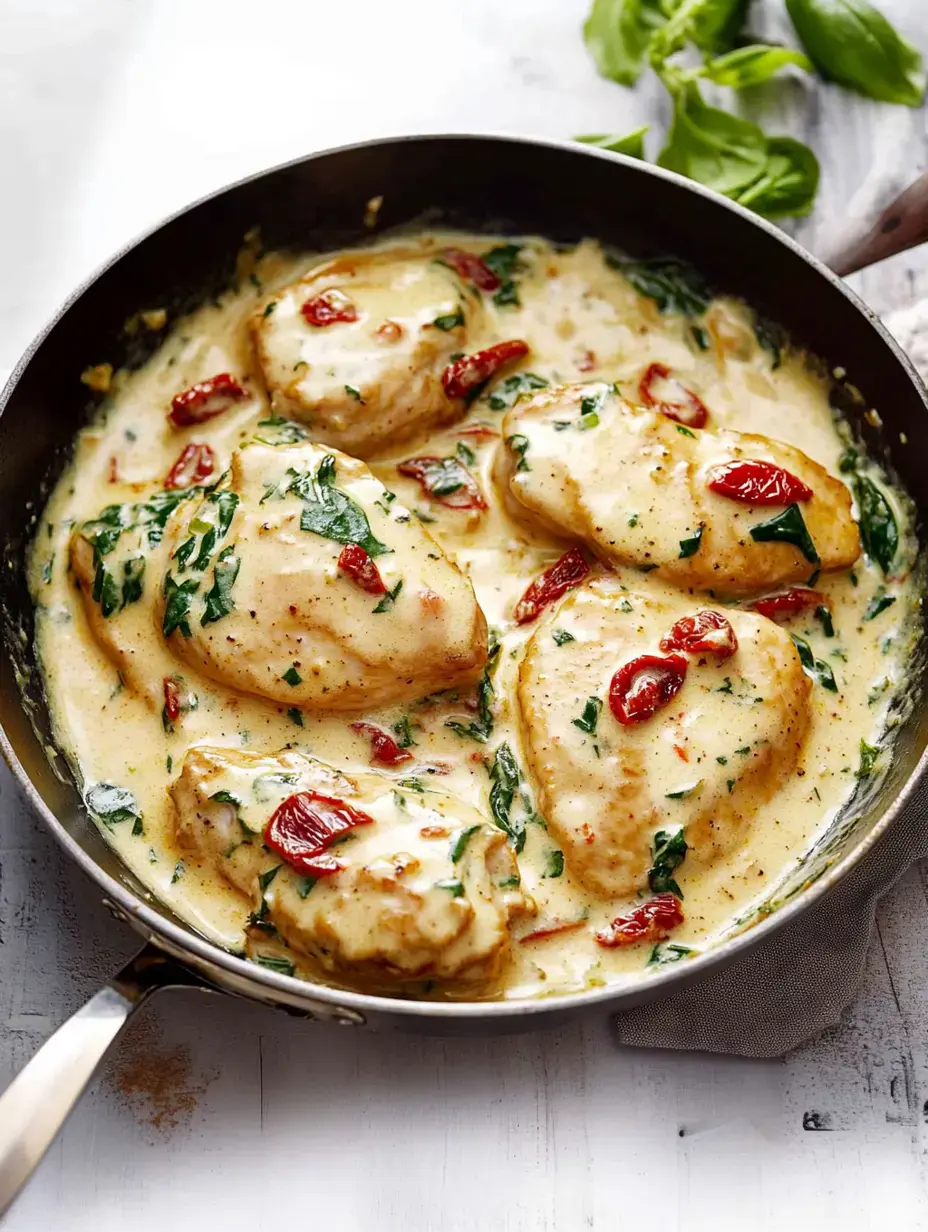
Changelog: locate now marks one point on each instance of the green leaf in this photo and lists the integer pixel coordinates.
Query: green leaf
(283, 966)
(404, 736)
(283, 431)
(451, 320)
(708, 145)
(111, 804)
(788, 184)
(504, 260)
(617, 33)
(554, 864)
(852, 43)
(105, 591)
(460, 840)
(748, 66)
(823, 616)
(295, 715)
(219, 601)
(817, 669)
(292, 677)
(668, 853)
(631, 144)
(787, 527)
(670, 953)
(454, 887)
(879, 603)
(510, 390)
(519, 445)
(879, 532)
(481, 728)
(333, 514)
(690, 545)
(177, 605)
(590, 717)
(673, 285)
(465, 453)
(869, 755)
(562, 637)
(506, 777)
(133, 571)
(387, 602)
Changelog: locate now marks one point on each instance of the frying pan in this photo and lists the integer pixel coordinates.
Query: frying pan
(498, 184)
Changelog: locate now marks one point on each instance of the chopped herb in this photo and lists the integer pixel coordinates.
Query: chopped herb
(509, 883)
(684, 431)
(817, 669)
(700, 337)
(454, 887)
(269, 308)
(304, 885)
(869, 755)
(514, 387)
(504, 261)
(219, 601)
(353, 392)
(413, 784)
(451, 320)
(226, 503)
(295, 716)
(744, 750)
(554, 864)
(259, 787)
(691, 789)
(137, 827)
(282, 966)
(670, 953)
(625, 606)
(879, 603)
(389, 599)
(403, 731)
(286, 432)
(823, 615)
(787, 527)
(465, 453)
(730, 784)
(723, 761)
(590, 717)
(562, 637)
(633, 520)
(179, 870)
(47, 569)
(133, 571)
(169, 763)
(690, 545)
(724, 688)
(508, 295)
(177, 605)
(668, 853)
(226, 797)
(292, 677)
(519, 445)
(460, 840)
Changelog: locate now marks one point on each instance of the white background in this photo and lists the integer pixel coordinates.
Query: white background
(113, 112)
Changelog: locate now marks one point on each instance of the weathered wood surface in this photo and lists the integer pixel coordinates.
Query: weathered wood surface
(218, 1114)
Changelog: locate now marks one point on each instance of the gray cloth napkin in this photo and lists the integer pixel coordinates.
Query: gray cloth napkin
(800, 981)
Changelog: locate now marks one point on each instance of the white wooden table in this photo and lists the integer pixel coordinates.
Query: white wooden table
(215, 1114)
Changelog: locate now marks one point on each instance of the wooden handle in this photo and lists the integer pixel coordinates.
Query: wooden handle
(902, 225)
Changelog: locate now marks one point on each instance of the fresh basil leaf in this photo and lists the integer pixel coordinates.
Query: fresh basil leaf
(852, 43)
(631, 144)
(788, 527)
(788, 184)
(219, 601)
(668, 853)
(617, 33)
(879, 532)
(714, 24)
(817, 669)
(722, 151)
(590, 716)
(748, 66)
(674, 285)
(177, 605)
(111, 804)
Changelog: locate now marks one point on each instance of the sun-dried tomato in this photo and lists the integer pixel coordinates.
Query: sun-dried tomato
(305, 826)
(471, 267)
(205, 400)
(652, 921)
(660, 389)
(552, 930)
(361, 569)
(465, 375)
(706, 632)
(171, 711)
(788, 603)
(329, 308)
(384, 748)
(757, 483)
(642, 686)
(113, 472)
(195, 463)
(562, 576)
(445, 480)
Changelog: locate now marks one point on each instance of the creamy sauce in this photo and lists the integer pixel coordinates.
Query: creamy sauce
(583, 321)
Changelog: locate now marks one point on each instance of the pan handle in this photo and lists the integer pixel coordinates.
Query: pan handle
(40, 1098)
(901, 226)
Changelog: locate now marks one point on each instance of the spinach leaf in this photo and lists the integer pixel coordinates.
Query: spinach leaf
(673, 285)
(554, 864)
(713, 147)
(177, 605)
(690, 545)
(452, 320)
(668, 853)
(617, 33)
(219, 601)
(631, 144)
(670, 953)
(590, 717)
(480, 728)
(282, 431)
(869, 755)
(852, 43)
(387, 602)
(333, 514)
(748, 66)
(519, 445)
(787, 527)
(817, 669)
(460, 840)
(561, 637)
(504, 261)
(879, 532)
(111, 804)
(133, 571)
(105, 591)
(514, 387)
(505, 779)
(788, 184)
(879, 603)
(226, 503)
(282, 966)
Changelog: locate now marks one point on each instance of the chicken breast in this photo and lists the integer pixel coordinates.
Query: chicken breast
(306, 582)
(356, 348)
(633, 485)
(704, 761)
(425, 887)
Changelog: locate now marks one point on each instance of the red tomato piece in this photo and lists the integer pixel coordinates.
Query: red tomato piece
(552, 930)
(705, 633)
(566, 573)
(757, 483)
(329, 308)
(445, 480)
(659, 388)
(788, 603)
(113, 474)
(643, 685)
(195, 463)
(470, 371)
(471, 267)
(652, 921)
(305, 826)
(205, 400)
(383, 747)
(171, 710)
(361, 569)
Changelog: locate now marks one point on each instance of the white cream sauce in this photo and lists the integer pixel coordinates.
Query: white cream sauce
(582, 321)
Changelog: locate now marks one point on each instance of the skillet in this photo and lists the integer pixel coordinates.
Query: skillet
(477, 183)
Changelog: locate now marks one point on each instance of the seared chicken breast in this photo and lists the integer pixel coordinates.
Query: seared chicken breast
(704, 760)
(422, 888)
(357, 347)
(641, 489)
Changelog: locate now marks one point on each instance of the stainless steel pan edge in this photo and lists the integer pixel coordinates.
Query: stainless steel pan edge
(192, 959)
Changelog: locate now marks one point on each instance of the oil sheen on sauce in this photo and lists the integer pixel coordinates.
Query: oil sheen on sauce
(584, 322)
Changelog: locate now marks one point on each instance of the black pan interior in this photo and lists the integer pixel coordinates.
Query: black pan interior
(477, 183)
